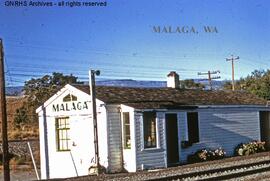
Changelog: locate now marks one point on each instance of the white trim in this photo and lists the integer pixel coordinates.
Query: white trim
(150, 149)
(165, 142)
(67, 87)
(135, 140)
(107, 135)
(122, 129)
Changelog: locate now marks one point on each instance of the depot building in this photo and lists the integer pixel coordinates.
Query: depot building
(143, 128)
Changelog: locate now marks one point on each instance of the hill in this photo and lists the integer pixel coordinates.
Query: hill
(14, 91)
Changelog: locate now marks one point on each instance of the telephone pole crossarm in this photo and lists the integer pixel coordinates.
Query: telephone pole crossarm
(210, 78)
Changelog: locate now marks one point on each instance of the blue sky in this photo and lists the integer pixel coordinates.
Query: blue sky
(119, 40)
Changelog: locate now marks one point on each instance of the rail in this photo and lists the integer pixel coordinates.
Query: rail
(222, 173)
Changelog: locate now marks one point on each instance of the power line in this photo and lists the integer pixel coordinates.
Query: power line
(107, 52)
(88, 52)
(99, 63)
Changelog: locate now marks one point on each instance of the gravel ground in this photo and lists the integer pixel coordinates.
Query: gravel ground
(155, 174)
(21, 175)
(20, 147)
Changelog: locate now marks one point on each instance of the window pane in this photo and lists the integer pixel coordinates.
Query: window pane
(193, 127)
(64, 135)
(64, 146)
(126, 129)
(67, 122)
(149, 125)
(68, 135)
(69, 98)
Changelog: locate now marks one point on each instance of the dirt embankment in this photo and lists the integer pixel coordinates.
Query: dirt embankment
(28, 130)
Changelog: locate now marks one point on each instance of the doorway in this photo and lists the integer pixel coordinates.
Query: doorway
(264, 127)
(172, 139)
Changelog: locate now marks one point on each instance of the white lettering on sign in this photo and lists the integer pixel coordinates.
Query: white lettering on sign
(70, 106)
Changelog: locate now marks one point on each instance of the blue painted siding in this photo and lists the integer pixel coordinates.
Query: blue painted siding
(225, 128)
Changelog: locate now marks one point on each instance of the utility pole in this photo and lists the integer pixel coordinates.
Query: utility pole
(210, 78)
(3, 113)
(232, 59)
(92, 85)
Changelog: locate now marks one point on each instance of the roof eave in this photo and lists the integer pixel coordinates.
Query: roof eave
(235, 106)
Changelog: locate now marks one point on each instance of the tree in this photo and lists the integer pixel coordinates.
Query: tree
(191, 84)
(238, 85)
(257, 83)
(38, 91)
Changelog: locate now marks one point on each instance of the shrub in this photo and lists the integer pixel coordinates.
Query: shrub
(21, 117)
(10, 156)
(250, 148)
(206, 155)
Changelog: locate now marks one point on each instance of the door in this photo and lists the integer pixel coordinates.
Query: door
(172, 139)
(265, 127)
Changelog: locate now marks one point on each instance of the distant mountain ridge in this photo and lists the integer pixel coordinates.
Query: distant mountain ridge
(131, 83)
(142, 83)
(14, 91)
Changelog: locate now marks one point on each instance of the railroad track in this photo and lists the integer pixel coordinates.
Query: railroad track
(222, 173)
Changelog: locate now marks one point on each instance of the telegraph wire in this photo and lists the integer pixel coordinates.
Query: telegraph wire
(99, 63)
(41, 44)
(112, 52)
(150, 71)
(148, 68)
(184, 57)
(10, 81)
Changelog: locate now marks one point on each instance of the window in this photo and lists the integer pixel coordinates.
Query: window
(69, 98)
(126, 130)
(62, 134)
(149, 129)
(193, 127)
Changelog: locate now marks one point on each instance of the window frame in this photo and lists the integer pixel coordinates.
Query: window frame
(124, 137)
(144, 146)
(65, 130)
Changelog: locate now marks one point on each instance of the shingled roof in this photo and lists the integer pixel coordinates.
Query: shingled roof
(154, 98)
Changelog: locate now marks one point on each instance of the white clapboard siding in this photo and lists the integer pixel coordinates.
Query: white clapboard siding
(114, 139)
(150, 158)
(225, 128)
(181, 116)
(102, 136)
